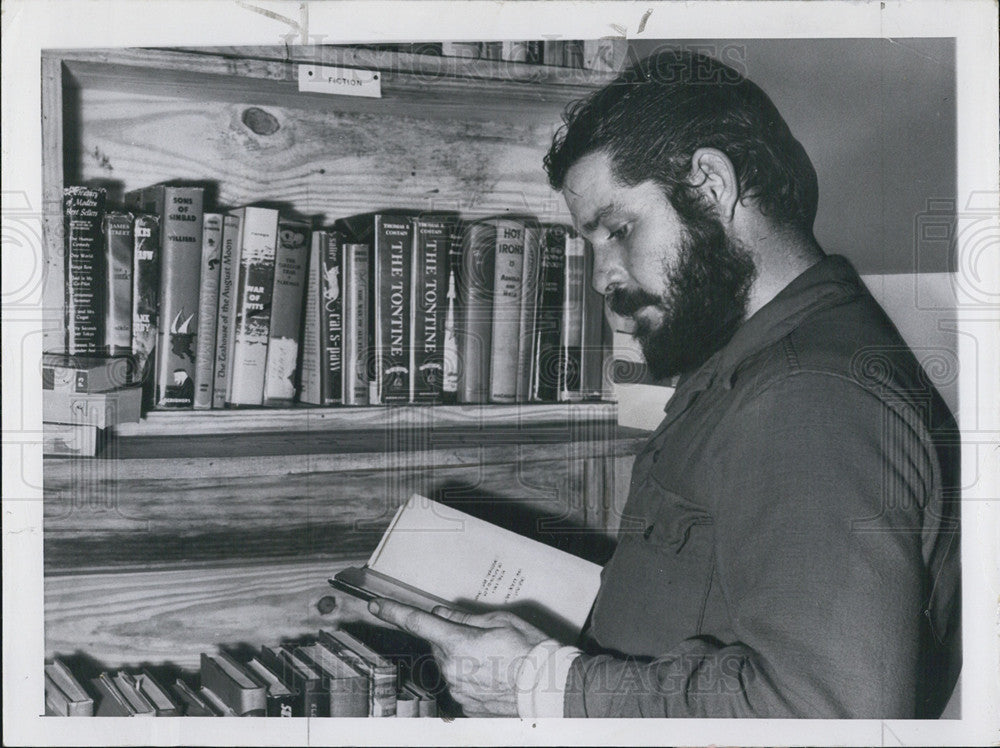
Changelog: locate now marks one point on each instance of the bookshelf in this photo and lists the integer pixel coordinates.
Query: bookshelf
(196, 529)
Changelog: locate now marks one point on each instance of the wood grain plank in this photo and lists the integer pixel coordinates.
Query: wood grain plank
(116, 523)
(53, 293)
(323, 165)
(172, 616)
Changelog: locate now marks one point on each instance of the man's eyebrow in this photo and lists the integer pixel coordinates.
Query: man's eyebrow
(594, 222)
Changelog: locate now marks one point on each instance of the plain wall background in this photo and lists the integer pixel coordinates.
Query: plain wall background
(877, 118)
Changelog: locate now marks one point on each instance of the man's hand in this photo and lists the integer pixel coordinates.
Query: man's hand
(478, 655)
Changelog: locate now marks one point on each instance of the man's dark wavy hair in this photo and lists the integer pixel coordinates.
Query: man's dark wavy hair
(658, 112)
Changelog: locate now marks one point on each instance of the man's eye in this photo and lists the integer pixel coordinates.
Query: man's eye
(619, 233)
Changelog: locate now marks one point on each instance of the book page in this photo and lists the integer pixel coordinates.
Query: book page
(480, 566)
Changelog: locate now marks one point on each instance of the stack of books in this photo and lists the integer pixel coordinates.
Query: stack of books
(606, 55)
(82, 397)
(335, 676)
(251, 308)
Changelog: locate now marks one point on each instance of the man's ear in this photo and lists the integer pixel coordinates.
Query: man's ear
(714, 177)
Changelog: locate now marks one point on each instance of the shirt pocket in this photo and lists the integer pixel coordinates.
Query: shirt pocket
(654, 588)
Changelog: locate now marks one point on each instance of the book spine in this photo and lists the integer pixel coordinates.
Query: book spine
(349, 697)
(430, 264)
(592, 337)
(529, 302)
(181, 213)
(393, 240)
(332, 320)
(508, 267)
(228, 267)
(81, 440)
(291, 257)
(253, 306)
(475, 331)
(355, 317)
(310, 355)
(450, 356)
(548, 321)
(117, 265)
(553, 52)
(145, 300)
(83, 211)
(571, 340)
(208, 303)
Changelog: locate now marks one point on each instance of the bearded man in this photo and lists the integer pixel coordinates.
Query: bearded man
(789, 546)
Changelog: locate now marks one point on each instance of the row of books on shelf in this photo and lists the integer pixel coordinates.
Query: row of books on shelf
(606, 55)
(337, 675)
(251, 308)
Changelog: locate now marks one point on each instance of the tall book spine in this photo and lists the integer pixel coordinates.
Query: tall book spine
(310, 356)
(450, 356)
(332, 319)
(508, 267)
(228, 268)
(529, 303)
(391, 284)
(181, 214)
(548, 318)
(208, 303)
(571, 334)
(356, 323)
(430, 265)
(593, 334)
(117, 265)
(291, 257)
(83, 211)
(475, 330)
(253, 306)
(145, 301)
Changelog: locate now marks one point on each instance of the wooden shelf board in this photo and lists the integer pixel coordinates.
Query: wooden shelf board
(311, 419)
(207, 77)
(255, 60)
(269, 454)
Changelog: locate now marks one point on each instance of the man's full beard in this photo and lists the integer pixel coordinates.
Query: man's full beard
(707, 291)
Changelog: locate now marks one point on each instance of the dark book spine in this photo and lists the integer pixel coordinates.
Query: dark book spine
(83, 212)
(593, 349)
(208, 306)
(475, 330)
(571, 334)
(332, 320)
(117, 265)
(146, 301)
(181, 214)
(393, 240)
(356, 323)
(430, 266)
(291, 259)
(551, 290)
(450, 355)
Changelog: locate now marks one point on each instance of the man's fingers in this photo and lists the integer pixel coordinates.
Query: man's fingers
(414, 621)
(480, 620)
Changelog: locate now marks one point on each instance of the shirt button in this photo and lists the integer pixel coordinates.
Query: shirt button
(647, 532)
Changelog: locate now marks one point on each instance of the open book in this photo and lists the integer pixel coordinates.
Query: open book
(432, 554)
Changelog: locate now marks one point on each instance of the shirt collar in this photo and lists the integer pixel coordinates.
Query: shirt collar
(830, 281)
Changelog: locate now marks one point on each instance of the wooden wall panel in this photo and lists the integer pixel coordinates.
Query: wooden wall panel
(324, 164)
(149, 523)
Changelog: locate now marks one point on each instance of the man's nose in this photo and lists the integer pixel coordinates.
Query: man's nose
(608, 270)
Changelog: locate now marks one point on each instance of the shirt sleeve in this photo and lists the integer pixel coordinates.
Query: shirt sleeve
(821, 489)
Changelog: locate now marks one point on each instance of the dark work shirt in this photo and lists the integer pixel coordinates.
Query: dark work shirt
(789, 546)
